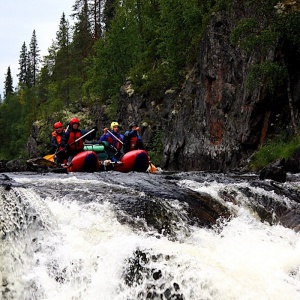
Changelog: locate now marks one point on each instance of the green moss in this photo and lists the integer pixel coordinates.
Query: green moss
(275, 149)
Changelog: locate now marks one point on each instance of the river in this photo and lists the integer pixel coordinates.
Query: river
(111, 235)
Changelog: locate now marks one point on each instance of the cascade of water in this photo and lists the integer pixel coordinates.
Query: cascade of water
(88, 237)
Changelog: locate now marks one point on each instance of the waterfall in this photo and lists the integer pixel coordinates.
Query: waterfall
(93, 236)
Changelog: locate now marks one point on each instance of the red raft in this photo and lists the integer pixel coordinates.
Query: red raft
(135, 160)
(85, 161)
(88, 161)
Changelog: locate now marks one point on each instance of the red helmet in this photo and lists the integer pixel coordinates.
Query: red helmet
(58, 125)
(74, 121)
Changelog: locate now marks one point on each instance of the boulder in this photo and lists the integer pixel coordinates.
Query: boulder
(293, 163)
(275, 171)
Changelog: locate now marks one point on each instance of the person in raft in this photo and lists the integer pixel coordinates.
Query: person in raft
(73, 134)
(56, 137)
(132, 139)
(115, 139)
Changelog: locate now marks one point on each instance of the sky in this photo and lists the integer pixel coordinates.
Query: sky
(18, 20)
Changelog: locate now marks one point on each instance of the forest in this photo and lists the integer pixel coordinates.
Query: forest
(152, 43)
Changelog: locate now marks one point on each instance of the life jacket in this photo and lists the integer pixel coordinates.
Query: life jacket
(73, 136)
(133, 142)
(114, 142)
(58, 138)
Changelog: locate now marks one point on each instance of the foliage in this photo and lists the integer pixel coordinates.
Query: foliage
(289, 25)
(250, 34)
(33, 61)
(267, 74)
(269, 30)
(275, 149)
(152, 43)
(8, 84)
(156, 149)
(13, 124)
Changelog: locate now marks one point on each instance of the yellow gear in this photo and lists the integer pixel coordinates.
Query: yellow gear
(113, 124)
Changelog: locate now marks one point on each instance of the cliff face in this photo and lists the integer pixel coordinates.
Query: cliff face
(214, 122)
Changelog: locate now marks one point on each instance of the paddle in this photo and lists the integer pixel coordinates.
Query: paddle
(152, 168)
(51, 156)
(115, 137)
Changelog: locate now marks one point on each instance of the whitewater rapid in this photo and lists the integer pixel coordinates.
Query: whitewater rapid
(80, 243)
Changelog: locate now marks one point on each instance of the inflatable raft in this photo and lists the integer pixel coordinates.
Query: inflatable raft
(96, 157)
(85, 161)
(88, 161)
(135, 160)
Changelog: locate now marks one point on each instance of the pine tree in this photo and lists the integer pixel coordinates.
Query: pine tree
(63, 34)
(33, 60)
(82, 38)
(97, 18)
(8, 84)
(23, 65)
(81, 48)
(61, 69)
(109, 13)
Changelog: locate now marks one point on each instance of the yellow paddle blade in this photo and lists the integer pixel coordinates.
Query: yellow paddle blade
(49, 157)
(152, 168)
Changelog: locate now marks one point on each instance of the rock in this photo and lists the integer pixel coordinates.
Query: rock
(17, 165)
(275, 171)
(293, 163)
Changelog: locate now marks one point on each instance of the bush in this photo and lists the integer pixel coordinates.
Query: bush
(275, 149)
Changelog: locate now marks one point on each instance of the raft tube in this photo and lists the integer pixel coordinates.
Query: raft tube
(98, 148)
(135, 160)
(85, 161)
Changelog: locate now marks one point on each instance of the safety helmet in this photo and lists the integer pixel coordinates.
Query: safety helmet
(113, 124)
(74, 121)
(133, 124)
(58, 125)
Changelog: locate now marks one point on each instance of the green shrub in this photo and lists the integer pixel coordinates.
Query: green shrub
(275, 149)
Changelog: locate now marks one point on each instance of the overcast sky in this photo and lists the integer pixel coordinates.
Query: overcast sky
(18, 19)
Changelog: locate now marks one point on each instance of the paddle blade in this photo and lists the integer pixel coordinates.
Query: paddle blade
(49, 157)
(152, 169)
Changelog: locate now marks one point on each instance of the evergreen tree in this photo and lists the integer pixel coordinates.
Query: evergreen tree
(33, 61)
(96, 17)
(82, 37)
(23, 65)
(8, 84)
(81, 48)
(109, 13)
(61, 70)
(29, 74)
(63, 33)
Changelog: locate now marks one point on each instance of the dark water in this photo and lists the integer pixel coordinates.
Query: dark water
(112, 235)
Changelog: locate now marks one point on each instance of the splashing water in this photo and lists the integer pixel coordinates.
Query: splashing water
(70, 238)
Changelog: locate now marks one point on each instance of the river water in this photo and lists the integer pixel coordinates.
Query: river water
(128, 236)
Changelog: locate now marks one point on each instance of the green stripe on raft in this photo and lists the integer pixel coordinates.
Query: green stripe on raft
(95, 148)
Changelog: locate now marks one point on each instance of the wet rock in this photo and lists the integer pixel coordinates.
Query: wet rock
(293, 163)
(17, 165)
(275, 171)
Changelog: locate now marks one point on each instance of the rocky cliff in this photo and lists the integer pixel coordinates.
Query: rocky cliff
(214, 122)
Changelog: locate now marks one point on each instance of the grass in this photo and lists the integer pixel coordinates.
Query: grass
(275, 149)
